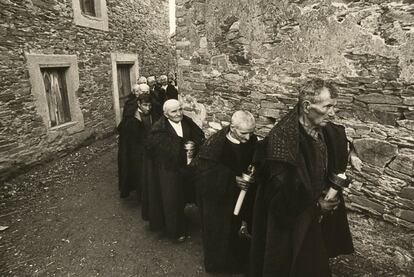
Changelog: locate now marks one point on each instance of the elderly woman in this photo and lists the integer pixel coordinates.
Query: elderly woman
(133, 130)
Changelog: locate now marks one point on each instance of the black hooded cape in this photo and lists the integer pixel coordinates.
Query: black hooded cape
(288, 239)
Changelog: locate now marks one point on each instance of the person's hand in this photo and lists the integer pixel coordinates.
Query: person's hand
(328, 205)
(241, 183)
(244, 232)
(355, 161)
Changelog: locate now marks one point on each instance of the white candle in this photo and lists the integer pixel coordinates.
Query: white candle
(239, 203)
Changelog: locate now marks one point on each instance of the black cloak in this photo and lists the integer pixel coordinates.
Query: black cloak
(158, 97)
(171, 92)
(131, 150)
(287, 235)
(215, 171)
(167, 187)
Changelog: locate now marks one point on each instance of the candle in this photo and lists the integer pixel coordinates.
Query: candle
(246, 179)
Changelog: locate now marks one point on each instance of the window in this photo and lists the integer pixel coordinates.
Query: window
(124, 75)
(88, 7)
(55, 80)
(56, 95)
(91, 14)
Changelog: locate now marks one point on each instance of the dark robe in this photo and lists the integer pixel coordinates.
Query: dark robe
(131, 149)
(167, 187)
(215, 169)
(171, 92)
(158, 97)
(288, 239)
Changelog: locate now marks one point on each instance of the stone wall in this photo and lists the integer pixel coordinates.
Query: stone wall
(254, 54)
(47, 27)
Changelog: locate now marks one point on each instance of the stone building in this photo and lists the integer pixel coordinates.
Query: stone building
(66, 67)
(254, 54)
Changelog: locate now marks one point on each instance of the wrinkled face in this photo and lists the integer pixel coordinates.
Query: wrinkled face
(151, 83)
(174, 113)
(163, 81)
(170, 77)
(320, 112)
(135, 91)
(242, 132)
(145, 107)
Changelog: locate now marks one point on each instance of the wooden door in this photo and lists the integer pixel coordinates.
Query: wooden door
(124, 84)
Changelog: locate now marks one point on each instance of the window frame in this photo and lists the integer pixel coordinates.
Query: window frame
(99, 22)
(35, 63)
(122, 58)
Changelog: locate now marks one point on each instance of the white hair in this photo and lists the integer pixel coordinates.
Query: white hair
(242, 118)
(142, 80)
(143, 87)
(135, 88)
(140, 88)
(171, 102)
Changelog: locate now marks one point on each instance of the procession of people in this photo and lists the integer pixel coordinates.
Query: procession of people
(270, 207)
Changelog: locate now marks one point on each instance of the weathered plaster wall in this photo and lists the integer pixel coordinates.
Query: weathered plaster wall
(46, 27)
(254, 54)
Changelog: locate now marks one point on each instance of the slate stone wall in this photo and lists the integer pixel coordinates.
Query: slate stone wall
(46, 27)
(254, 54)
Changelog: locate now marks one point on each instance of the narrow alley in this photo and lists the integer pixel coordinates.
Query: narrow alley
(65, 218)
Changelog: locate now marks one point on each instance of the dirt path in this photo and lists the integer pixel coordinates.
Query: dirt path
(66, 219)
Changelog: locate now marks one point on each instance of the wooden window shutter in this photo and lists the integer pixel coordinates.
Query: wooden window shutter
(56, 95)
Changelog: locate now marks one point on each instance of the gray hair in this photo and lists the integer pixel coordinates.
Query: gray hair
(311, 89)
(163, 78)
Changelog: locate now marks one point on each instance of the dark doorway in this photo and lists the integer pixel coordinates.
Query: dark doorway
(124, 83)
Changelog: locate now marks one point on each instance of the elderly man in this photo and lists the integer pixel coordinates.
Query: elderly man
(151, 82)
(159, 96)
(168, 137)
(167, 88)
(171, 90)
(133, 130)
(225, 155)
(295, 228)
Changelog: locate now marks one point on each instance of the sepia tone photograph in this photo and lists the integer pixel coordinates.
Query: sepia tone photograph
(245, 138)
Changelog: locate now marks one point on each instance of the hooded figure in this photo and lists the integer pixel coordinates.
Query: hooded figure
(159, 96)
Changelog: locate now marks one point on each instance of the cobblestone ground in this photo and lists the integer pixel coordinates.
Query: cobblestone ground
(66, 219)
